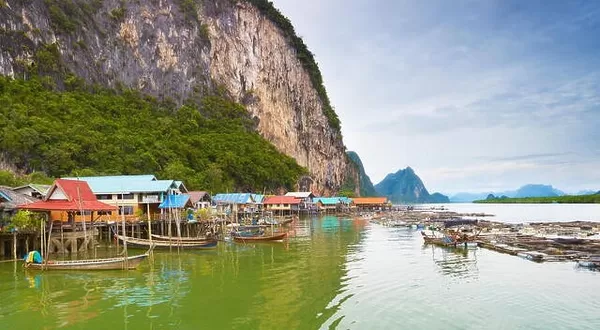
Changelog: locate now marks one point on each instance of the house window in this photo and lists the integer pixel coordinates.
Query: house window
(84, 213)
(125, 196)
(104, 197)
(104, 212)
(125, 210)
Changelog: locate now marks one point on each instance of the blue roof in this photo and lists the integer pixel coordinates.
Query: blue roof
(258, 199)
(126, 184)
(174, 201)
(233, 198)
(345, 200)
(327, 200)
(3, 195)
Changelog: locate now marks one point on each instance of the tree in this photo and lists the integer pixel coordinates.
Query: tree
(24, 220)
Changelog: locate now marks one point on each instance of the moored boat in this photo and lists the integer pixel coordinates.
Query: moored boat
(238, 237)
(91, 264)
(166, 244)
(183, 239)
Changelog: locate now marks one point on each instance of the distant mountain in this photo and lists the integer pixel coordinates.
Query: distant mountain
(405, 186)
(366, 186)
(537, 190)
(586, 192)
(529, 190)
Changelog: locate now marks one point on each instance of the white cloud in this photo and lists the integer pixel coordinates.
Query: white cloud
(450, 87)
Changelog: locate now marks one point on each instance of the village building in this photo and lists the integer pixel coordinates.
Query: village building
(239, 204)
(9, 200)
(134, 196)
(65, 201)
(282, 204)
(200, 199)
(306, 199)
(370, 204)
(327, 204)
(34, 190)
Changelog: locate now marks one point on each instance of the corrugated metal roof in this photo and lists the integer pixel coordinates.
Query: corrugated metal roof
(258, 199)
(300, 194)
(234, 198)
(369, 200)
(196, 196)
(127, 184)
(79, 197)
(345, 200)
(175, 201)
(281, 200)
(327, 200)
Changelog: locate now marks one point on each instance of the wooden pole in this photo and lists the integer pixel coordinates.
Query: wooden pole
(82, 218)
(14, 250)
(126, 264)
(149, 223)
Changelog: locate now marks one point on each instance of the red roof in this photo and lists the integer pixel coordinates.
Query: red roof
(281, 200)
(77, 196)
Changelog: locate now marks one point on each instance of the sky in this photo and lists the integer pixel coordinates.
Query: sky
(474, 95)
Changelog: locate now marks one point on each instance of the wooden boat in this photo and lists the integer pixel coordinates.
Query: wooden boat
(183, 239)
(91, 264)
(174, 243)
(258, 238)
(568, 240)
(448, 241)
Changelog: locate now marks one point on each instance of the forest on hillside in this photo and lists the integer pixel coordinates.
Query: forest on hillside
(89, 130)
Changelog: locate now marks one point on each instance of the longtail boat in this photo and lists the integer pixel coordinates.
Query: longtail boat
(166, 244)
(259, 238)
(183, 239)
(91, 264)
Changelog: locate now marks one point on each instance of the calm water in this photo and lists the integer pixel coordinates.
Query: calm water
(520, 213)
(335, 273)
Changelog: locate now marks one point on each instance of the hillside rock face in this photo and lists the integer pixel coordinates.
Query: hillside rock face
(366, 185)
(181, 50)
(405, 186)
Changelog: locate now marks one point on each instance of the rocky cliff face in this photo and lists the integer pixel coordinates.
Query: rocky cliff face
(180, 50)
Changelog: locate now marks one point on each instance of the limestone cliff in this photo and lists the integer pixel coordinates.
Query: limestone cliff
(180, 50)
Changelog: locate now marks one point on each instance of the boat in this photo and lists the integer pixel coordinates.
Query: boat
(183, 239)
(593, 262)
(91, 264)
(248, 237)
(569, 240)
(449, 241)
(173, 243)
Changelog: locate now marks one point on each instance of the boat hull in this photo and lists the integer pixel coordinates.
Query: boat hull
(90, 264)
(183, 239)
(165, 244)
(269, 238)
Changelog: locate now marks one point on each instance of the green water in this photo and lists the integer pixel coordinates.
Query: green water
(333, 273)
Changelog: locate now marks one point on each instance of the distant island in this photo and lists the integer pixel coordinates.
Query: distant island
(405, 186)
(528, 190)
(567, 199)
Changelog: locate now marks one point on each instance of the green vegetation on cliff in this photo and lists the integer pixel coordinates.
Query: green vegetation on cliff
(304, 55)
(582, 199)
(366, 186)
(405, 186)
(79, 131)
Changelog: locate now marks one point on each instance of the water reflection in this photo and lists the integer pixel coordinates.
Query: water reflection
(454, 262)
(293, 284)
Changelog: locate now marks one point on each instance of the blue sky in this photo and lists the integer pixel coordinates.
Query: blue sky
(475, 95)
